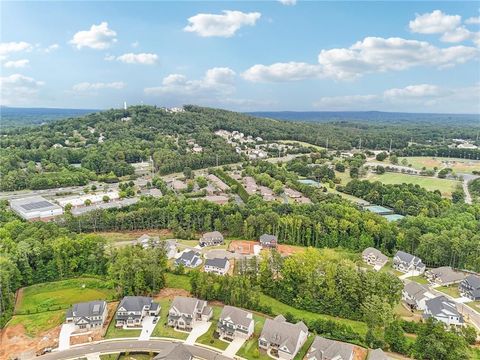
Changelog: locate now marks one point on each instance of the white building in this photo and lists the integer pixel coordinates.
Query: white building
(93, 198)
(217, 266)
(35, 208)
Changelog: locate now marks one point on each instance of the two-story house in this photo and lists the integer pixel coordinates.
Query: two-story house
(281, 338)
(185, 312)
(268, 241)
(211, 239)
(470, 287)
(326, 349)
(444, 310)
(235, 322)
(133, 309)
(444, 276)
(219, 266)
(190, 259)
(374, 258)
(415, 295)
(87, 315)
(406, 262)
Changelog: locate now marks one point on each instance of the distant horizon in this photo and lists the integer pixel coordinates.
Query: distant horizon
(247, 112)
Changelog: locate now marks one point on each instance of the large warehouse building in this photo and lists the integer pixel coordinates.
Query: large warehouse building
(36, 208)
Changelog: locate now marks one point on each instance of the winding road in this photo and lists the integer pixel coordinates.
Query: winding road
(130, 345)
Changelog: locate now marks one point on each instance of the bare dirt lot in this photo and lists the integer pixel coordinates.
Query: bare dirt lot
(14, 342)
(170, 293)
(243, 247)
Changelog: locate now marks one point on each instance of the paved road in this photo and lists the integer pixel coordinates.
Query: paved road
(115, 346)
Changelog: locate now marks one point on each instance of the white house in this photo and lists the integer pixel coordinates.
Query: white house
(219, 266)
(87, 315)
(185, 312)
(133, 309)
(443, 310)
(235, 322)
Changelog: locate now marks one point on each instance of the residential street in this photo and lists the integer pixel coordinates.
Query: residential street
(115, 346)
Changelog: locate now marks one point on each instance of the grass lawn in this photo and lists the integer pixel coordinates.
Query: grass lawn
(109, 357)
(303, 350)
(136, 356)
(178, 281)
(475, 305)
(62, 294)
(113, 236)
(208, 338)
(163, 330)
(458, 165)
(449, 290)
(419, 279)
(249, 350)
(35, 324)
(301, 143)
(113, 332)
(446, 187)
(388, 268)
(281, 308)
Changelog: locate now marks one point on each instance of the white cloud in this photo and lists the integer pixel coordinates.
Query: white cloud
(51, 48)
(99, 37)
(87, 86)
(435, 22)
(224, 25)
(135, 44)
(18, 89)
(216, 81)
(370, 55)
(278, 72)
(7, 48)
(288, 2)
(457, 35)
(142, 58)
(15, 64)
(413, 91)
(422, 97)
(473, 20)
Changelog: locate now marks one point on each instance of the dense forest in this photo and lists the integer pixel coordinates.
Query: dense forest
(107, 143)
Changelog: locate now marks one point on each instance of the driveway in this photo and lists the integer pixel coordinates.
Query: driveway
(234, 346)
(200, 328)
(64, 337)
(147, 328)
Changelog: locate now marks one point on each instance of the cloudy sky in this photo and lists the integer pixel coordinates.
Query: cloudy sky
(268, 55)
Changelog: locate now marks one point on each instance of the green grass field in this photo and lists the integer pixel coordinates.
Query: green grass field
(446, 187)
(163, 330)
(208, 338)
(281, 308)
(178, 281)
(419, 279)
(449, 290)
(458, 165)
(250, 350)
(475, 305)
(113, 332)
(62, 294)
(35, 324)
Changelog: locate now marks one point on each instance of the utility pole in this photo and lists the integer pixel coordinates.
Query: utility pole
(360, 144)
(216, 156)
(390, 146)
(327, 145)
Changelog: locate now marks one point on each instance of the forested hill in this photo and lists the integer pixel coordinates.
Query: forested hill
(147, 122)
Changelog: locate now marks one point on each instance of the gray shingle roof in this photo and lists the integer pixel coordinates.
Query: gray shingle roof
(267, 238)
(446, 274)
(135, 303)
(174, 352)
(187, 257)
(212, 235)
(187, 305)
(323, 348)
(278, 331)
(236, 315)
(376, 252)
(88, 309)
(473, 281)
(415, 290)
(377, 354)
(441, 306)
(217, 262)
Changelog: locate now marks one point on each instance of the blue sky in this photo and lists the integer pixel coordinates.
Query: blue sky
(268, 55)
